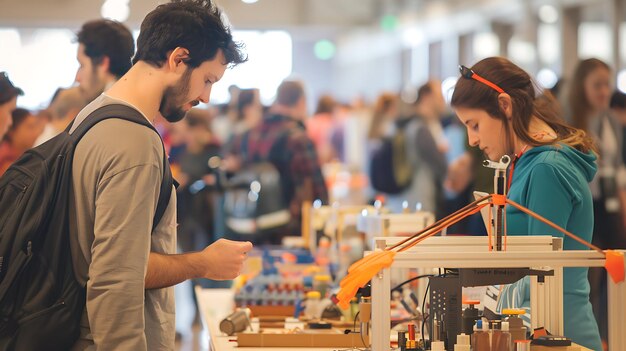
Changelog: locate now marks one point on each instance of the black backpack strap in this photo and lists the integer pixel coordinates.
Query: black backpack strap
(128, 113)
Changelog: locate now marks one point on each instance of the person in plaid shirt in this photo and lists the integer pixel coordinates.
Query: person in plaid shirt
(282, 131)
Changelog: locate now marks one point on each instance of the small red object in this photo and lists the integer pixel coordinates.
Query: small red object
(411, 331)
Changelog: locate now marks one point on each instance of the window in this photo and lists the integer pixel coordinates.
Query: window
(594, 40)
(40, 60)
(269, 62)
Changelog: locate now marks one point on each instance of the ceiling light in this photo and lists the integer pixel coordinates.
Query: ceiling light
(548, 14)
(324, 49)
(117, 10)
(547, 78)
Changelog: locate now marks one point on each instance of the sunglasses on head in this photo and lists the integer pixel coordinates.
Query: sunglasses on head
(469, 74)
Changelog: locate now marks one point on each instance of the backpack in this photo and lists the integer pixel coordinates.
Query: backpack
(392, 166)
(254, 198)
(41, 302)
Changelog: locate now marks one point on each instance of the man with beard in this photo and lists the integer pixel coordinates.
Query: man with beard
(105, 49)
(128, 268)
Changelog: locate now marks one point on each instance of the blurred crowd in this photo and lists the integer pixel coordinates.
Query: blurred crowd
(338, 142)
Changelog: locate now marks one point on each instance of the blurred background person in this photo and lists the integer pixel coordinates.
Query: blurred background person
(427, 147)
(62, 110)
(8, 102)
(249, 111)
(233, 94)
(618, 110)
(321, 126)
(281, 141)
(24, 130)
(382, 123)
(105, 49)
(589, 98)
(383, 117)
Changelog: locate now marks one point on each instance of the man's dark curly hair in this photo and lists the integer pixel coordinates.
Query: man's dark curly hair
(195, 25)
(108, 38)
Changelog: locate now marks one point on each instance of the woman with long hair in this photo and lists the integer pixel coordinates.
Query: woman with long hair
(384, 114)
(552, 163)
(589, 101)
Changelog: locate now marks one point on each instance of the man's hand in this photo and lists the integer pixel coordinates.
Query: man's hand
(222, 260)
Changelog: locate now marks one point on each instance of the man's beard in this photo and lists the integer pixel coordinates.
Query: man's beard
(170, 109)
(97, 87)
(174, 97)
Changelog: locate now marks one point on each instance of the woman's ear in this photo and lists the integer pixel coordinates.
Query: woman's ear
(506, 105)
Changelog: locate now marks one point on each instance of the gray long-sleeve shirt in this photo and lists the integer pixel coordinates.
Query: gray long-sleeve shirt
(116, 176)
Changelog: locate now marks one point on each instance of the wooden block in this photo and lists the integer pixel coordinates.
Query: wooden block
(285, 311)
(304, 338)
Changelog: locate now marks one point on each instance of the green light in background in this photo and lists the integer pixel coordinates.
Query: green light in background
(388, 22)
(324, 49)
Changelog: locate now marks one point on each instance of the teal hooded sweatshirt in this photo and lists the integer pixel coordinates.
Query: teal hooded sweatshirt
(552, 181)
